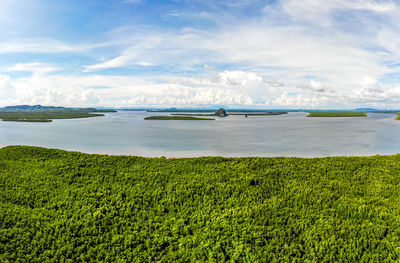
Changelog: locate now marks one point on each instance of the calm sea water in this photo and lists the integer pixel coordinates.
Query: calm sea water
(293, 134)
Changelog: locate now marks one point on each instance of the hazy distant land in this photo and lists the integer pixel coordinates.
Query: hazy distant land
(38, 113)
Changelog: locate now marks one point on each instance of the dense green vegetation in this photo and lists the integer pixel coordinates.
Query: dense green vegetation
(222, 113)
(182, 110)
(26, 120)
(336, 114)
(58, 206)
(45, 116)
(32, 108)
(39, 113)
(268, 113)
(189, 118)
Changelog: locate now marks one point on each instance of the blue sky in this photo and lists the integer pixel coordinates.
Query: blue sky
(142, 53)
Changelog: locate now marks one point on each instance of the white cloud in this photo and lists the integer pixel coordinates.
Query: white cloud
(4, 82)
(374, 94)
(120, 91)
(299, 100)
(333, 60)
(6, 90)
(45, 46)
(298, 53)
(232, 88)
(290, 52)
(35, 67)
(319, 12)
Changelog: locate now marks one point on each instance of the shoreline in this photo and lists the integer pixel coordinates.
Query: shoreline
(189, 156)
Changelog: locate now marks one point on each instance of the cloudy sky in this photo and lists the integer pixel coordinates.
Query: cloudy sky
(236, 53)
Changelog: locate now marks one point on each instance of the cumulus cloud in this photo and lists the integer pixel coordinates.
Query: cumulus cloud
(313, 85)
(120, 91)
(298, 100)
(231, 88)
(293, 53)
(6, 90)
(372, 93)
(4, 80)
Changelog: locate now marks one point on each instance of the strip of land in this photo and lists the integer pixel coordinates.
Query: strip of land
(189, 118)
(234, 113)
(336, 114)
(38, 113)
(27, 120)
(269, 113)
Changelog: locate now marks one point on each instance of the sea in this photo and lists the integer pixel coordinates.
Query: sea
(292, 134)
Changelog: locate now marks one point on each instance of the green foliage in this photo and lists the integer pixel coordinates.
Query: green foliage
(58, 206)
(39, 113)
(336, 114)
(27, 120)
(262, 113)
(45, 116)
(189, 118)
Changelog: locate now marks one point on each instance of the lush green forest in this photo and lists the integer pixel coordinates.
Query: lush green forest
(261, 113)
(336, 114)
(26, 120)
(181, 118)
(58, 206)
(46, 116)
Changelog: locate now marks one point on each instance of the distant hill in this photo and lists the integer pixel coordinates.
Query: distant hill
(221, 112)
(366, 109)
(39, 113)
(31, 108)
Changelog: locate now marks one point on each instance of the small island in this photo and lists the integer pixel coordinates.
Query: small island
(27, 120)
(336, 114)
(189, 118)
(258, 113)
(221, 112)
(38, 113)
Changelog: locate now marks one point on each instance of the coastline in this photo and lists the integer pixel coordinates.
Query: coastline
(198, 154)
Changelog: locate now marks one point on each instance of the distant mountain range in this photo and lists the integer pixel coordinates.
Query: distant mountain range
(150, 109)
(26, 108)
(31, 107)
(366, 109)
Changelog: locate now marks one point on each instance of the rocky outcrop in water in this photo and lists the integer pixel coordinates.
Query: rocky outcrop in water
(221, 113)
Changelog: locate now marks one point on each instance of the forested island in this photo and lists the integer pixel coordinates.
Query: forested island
(38, 113)
(336, 114)
(59, 206)
(221, 112)
(187, 118)
(258, 113)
